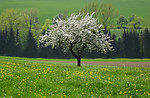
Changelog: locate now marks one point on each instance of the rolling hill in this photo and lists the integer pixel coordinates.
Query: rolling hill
(50, 8)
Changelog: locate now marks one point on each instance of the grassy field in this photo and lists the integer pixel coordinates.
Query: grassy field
(50, 8)
(84, 59)
(27, 78)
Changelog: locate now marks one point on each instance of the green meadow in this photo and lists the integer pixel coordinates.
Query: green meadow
(50, 8)
(84, 59)
(22, 77)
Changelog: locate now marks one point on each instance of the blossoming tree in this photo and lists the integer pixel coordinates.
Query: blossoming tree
(77, 34)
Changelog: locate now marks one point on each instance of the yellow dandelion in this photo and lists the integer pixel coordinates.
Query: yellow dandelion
(142, 74)
(148, 93)
(103, 77)
(120, 92)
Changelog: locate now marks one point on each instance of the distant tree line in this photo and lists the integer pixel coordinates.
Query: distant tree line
(19, 35)
(20, 31)
(134, 22)
(132, 44)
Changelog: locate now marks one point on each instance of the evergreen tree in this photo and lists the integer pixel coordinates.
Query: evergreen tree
(4, 42)
(31, 46)
(119, 48)
(131, 44)
(1, 42)
(134, 45)
(11, 43)
(18, 45)
(32, 24)
(125, 42)
(145, 47)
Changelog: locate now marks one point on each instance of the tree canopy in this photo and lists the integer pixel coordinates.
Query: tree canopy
(77, 34)
(122, 21)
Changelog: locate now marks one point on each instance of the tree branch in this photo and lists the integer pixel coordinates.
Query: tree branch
(73, 53)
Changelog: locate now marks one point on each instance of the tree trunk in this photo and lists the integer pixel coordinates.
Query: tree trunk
(77, 56)
(79, 62)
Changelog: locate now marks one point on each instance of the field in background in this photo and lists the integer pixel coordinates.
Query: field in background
(50, 8)
(20, 77)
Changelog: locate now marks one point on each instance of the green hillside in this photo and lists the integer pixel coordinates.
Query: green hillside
(49, 8)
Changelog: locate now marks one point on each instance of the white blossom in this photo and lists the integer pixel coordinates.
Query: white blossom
(77, 33)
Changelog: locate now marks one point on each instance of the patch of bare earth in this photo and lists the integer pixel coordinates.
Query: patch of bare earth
(130, 64)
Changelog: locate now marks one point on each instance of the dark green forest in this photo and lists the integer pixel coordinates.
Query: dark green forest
(20, 32)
